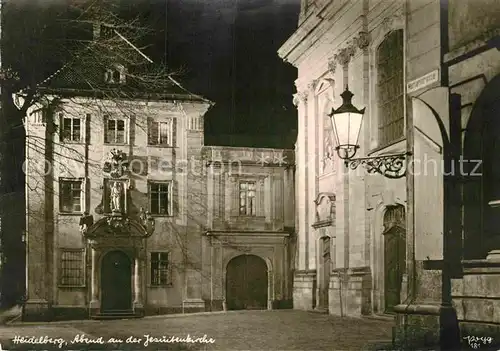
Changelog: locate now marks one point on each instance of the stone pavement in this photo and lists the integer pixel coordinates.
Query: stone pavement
(240, 330)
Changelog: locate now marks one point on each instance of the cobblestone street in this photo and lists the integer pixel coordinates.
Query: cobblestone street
(245, 330)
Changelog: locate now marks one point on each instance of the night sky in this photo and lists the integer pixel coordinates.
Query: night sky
(227, 51)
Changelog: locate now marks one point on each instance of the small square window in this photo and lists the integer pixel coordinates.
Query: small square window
(116, 131)
(160, 269)
(72, 271)
(160, 198)
(72, 129)
(71, 196)
(161, 133)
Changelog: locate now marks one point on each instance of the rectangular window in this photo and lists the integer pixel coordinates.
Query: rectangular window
(72, 268)
(160, 270)
(247, 198)
(160, 198)
(72, 129)
(161, 133)
(116, 131)
(71, 195)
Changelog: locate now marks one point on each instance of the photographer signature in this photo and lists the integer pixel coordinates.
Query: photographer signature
(475, 342)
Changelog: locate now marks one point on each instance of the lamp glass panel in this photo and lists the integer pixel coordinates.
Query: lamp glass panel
(355, 120)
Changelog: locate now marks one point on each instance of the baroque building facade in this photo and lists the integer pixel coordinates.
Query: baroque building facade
(428, 74)
(129, 214)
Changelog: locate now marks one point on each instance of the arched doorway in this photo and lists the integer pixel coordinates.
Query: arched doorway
(394, 255)
(116, 282)
(246, 283)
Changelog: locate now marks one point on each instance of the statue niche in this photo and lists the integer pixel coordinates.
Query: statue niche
(325, 208)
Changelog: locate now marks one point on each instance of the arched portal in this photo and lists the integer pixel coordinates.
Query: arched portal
(116, 282)
(246, 283)
(394, 255)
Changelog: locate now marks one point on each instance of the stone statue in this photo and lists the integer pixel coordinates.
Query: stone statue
(115, 197)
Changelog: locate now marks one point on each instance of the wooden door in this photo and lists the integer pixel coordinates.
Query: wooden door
(116, 282)
(394, 267)
(246, 283)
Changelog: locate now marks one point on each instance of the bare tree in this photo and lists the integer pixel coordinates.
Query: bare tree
(53, 51)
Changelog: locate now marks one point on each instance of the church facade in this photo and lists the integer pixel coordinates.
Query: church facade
(409, 248)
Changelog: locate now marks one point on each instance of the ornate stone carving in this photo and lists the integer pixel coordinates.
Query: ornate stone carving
(332, 66)
(362, 40)
(312, 85)
(299, 97)
(344, 55)
(116, 164)
(325, 207)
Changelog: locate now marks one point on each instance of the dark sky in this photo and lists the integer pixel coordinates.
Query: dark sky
(228, 52)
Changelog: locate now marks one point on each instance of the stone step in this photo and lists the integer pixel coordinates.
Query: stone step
(116, 314)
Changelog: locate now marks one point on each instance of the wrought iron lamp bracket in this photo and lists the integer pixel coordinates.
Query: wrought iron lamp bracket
(391, 166)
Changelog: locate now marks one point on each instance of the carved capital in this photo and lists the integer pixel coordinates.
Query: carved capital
(312, 85)
(344, 55)
(299, 97)
(332, 65)
(362, 40)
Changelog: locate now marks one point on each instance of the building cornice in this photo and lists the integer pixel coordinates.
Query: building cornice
(295, 46)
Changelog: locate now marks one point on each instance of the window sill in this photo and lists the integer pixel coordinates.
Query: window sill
(116, 144)
(249, 217)
(161, 215)
(160, 286)
(161, 146)
(70, 213)
(71, 286)
(72, 142)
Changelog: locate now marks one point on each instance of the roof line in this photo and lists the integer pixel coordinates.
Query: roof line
(132, 45)
(188, 92)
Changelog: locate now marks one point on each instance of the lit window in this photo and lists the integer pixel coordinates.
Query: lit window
(72, 268)
(71, 196)
(160, 198)
(390, 83)
(247, 198)
(160, 274)
(116, 131)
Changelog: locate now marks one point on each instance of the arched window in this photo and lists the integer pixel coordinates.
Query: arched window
(390, 90)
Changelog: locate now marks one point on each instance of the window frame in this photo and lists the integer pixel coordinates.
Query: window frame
(125, 120)
(63, 118)
(382, 125)
(170, 201)
(170, 133)
(253, 207)
(155, 278)
(82, 195)
(82, 268)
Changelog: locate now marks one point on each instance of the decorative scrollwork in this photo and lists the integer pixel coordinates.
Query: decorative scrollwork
(390, 166)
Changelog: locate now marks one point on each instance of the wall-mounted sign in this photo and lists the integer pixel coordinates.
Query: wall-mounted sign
(422, 82)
